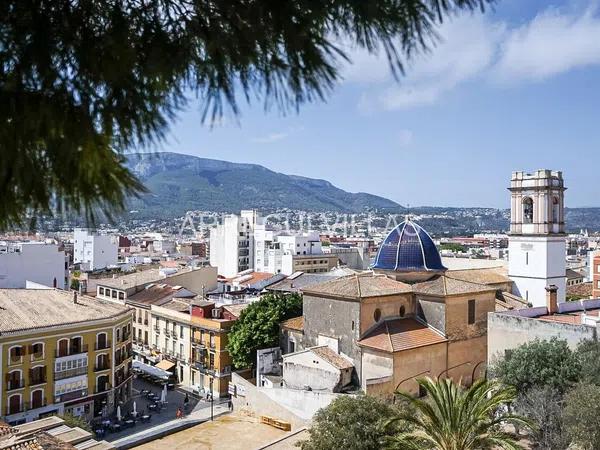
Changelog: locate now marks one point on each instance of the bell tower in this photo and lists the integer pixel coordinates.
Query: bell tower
(536, 250)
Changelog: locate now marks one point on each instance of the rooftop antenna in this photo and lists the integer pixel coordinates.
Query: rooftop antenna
(407, 217)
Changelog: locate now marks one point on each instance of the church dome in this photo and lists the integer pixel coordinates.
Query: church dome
(408, 248)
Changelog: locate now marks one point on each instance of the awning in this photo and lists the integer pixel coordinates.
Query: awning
(151, 370)
(165, 364)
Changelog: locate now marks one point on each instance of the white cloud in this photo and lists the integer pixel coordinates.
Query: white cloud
(473, 46)
(552, 43)
(269, 138)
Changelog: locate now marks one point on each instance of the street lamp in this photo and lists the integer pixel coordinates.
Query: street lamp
(211, 398)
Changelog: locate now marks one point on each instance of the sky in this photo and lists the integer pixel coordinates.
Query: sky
(516, 88)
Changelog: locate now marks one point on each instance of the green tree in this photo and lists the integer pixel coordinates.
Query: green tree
(351, 423)
(582, 416)
(588, 354)
(455, 418)
(76, 421)
(539, 363)
(82, 82)
(544, 407)
(258, 326)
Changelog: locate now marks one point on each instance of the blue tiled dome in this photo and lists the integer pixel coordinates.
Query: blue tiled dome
(408, 248)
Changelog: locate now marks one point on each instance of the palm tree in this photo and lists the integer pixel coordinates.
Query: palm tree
(455, 418)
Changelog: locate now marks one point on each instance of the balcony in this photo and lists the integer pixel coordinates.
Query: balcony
(71, 351)
(34, 405)
(100, 389)
(166, 332)
(103, 345)
(197, 342)
(126, 336)
(34, 381)
(74, 395)
(11, 385)
(101, 367)
(157, 329)
(145, 321)
(174, 336)
(70, 373)
(14, 410)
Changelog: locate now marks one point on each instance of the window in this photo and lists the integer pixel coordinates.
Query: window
(526, 258)
(555, 210)
(527, 210)
(377, 314)
(402, 311)
(15, 354)
(37, 350)
(181, 331)
(114, 294)
(101, 291)
(121, 295)
(471, 317)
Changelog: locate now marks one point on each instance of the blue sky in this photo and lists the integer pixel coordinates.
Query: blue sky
(514, 89)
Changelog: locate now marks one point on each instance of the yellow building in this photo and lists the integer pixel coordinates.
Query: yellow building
(62, 353)
(211, 362)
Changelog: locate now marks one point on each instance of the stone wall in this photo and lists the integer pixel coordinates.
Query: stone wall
(506, 332)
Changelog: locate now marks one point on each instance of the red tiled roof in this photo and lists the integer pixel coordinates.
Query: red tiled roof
(295, 323)
(400, 334)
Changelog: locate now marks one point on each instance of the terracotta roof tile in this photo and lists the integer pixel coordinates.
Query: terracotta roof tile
(295, 323)
(332, 357)
(492, 275)
(446, 285)
(360, 286)
(400, 334)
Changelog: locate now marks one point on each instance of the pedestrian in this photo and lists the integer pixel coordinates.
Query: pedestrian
(230, 405)
(179, 414)
(186, 400)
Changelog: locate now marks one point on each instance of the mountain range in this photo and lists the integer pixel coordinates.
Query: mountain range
(180, 183)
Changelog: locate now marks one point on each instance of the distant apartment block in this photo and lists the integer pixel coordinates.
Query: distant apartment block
(94, 251)
(232, 243)
(595, 271)
(37, 262)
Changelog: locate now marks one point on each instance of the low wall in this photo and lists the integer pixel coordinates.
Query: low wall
(291, 405)
(507, 331)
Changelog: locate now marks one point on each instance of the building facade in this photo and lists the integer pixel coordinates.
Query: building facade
(94, 251)
(41, 263)
(595, 271)
(537, 251)
(62, 353)
(232, 243)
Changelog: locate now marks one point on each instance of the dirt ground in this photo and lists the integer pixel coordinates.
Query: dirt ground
(232, 431)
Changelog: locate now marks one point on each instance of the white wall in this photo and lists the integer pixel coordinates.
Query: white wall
(36, 262)
(536, 262)
(94, 251)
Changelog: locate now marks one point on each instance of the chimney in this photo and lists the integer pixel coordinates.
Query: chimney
(551, 299)
(74, 297)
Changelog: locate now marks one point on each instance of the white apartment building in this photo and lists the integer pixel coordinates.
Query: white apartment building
(36, 262)
(232, 243)
(94, 251)
(279, 253)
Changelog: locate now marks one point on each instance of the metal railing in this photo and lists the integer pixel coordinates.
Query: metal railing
(71, 351)
(102, 345)
(11, 385)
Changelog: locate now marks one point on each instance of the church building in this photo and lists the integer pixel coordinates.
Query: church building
(537, 251)
(408, 317)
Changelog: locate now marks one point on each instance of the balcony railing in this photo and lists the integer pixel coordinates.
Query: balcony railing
(100, 389)
(174, 336)
(145, 321)
(33, 381)
(69, 373)
(72, 351)
(14, 410)
(156, 328)
(126, 336)
(74, 395)
(13, 360)
(35, 405)
(166, 332)
(101, 367)
(11, 385)
(102, 345)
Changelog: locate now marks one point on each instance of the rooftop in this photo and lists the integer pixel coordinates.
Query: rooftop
(573, 313)
(159, 294)
(397, 335)
(295, 323)
(332, 357)
(23, 309)
(360, 286)
(408, 248)
(442, 285)
(492, 275)
(301, 280)
(132, 279)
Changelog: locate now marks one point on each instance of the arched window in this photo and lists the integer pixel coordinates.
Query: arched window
(14, 380)
(62, 348)
(14, 404)
(101, 341)
(37, 350)
(37, 399)
(15, 354)
(377, 315)
(102, 362)
(102, 383)
(555, 210)
(527, 210)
